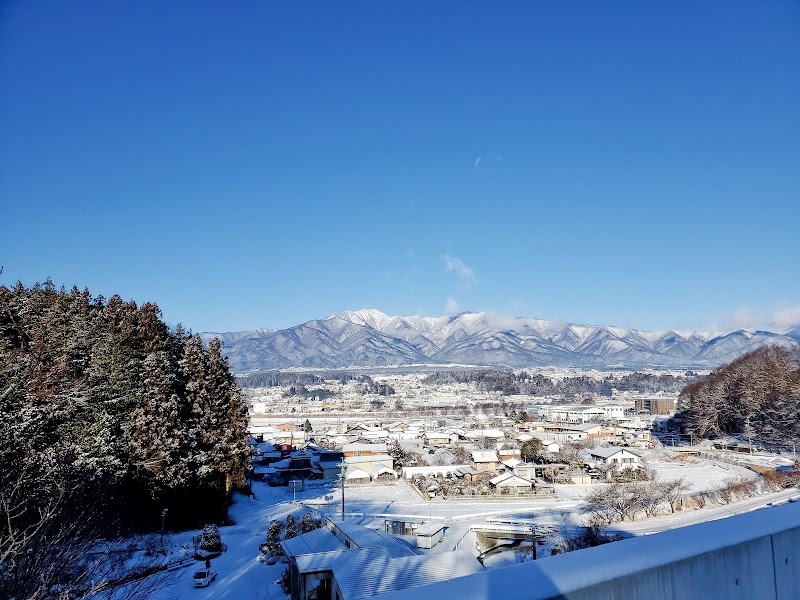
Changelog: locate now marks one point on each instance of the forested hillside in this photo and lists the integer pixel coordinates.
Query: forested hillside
(107, 417)
(756, 395)
(522, 382)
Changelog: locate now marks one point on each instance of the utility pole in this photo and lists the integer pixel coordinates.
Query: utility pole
(533, 542)
(342, 477)
(163, 517)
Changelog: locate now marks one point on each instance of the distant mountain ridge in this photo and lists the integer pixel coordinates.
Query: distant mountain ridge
(370, 338)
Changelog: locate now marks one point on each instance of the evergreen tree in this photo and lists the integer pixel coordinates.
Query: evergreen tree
(211, 541)
(291, 527)
(230, 428)
(102, 394)
(530, 451)
(308, 523)
(200, 426)
(158, 441)
(273, 543)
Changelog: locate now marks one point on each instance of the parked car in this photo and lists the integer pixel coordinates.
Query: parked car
(203, 577)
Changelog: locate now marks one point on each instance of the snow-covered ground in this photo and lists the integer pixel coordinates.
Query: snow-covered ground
(242, 574)
(699, 473)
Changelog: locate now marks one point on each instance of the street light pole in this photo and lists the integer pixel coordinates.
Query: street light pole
(342, 477)
(163, 517)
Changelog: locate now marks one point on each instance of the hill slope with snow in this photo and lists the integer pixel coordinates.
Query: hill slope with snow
(370, 338)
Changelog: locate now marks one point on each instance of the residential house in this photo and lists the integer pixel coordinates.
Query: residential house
(329, 463)
(508, 483)
(363, 449)
(535, 471)
(436, 439)
(614, 457)
(484, 460)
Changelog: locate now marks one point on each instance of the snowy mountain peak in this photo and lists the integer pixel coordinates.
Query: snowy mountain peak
(365, 316)
(369, 337)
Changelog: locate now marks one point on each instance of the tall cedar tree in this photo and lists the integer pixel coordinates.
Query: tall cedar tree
(100, 396)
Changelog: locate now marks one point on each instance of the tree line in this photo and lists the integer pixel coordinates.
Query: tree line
(107, 418)
(756, 396)
(536, 384)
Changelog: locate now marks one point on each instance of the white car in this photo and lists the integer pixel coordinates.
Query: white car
(203, 577)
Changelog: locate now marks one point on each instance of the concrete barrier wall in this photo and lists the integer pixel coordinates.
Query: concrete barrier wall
(749, 557)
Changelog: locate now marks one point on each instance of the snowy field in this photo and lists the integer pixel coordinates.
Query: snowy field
(242, 574)
(701, 474)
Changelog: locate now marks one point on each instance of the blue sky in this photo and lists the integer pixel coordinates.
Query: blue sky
(262, 164)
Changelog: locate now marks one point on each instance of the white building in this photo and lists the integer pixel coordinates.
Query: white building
(614, 457)
(582, 414)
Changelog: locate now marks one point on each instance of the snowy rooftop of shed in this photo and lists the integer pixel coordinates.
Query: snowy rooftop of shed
(366, 576)
(364, 537)
(325, 561)
(319, 540)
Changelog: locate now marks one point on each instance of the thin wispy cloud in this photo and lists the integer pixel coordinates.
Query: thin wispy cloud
(786, 316)
(743, 318)
(452, 307)
(457, 266)
(782, 317)
(492, 158)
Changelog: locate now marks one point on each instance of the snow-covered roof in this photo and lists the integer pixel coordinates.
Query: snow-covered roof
(365, 576)
(482, 433)
(584, 427)
(436, 434)
(429, 529)
(319, 540)
(467, 471)
(376, 470)
(609, 452)
(364, 459)
(509, 479)
(324, 561)
(356, 473)
(484, 456)
(364, 537)
(262, 470)
(512, 462)
(361, 447)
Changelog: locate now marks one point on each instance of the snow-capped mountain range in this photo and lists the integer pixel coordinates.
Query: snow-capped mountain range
(369, 338)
